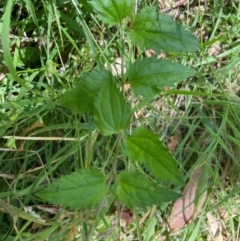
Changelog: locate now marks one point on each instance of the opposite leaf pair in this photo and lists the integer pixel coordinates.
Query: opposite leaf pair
(84, 188)
(97, 91)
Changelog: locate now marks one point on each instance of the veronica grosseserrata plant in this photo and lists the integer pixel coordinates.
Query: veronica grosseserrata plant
(101, 94)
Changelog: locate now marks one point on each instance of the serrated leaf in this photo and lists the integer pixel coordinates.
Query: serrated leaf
(112, 112)
(149, 75)
(154, 30)
(113, 12)
(80, 189)
(134, 189)
(145, 147)
(81, 97)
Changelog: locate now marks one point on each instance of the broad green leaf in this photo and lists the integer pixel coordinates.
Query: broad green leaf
(113, 12)
(154, 30)
(145, 147)
(112, 112)
(151, 74)
(80, 189)
(81, 97)
(134, 189)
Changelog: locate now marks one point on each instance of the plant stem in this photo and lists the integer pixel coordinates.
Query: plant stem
(100, 207)
(115, 160)
(87, 32)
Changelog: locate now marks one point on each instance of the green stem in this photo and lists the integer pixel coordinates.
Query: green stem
(122, 33)
(114, 171)
(115, 160)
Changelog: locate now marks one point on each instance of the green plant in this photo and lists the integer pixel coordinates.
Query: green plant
(103, 96)
(52, 46)
(137, 163)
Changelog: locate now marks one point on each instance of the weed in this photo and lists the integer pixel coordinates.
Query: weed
(89, 99)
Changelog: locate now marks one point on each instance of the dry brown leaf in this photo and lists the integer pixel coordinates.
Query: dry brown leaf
(127, 216)
(74, 232)
(184, 208)
(214, 227)
(173, 143)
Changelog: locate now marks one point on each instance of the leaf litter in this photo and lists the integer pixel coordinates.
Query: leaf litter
(186, 208)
